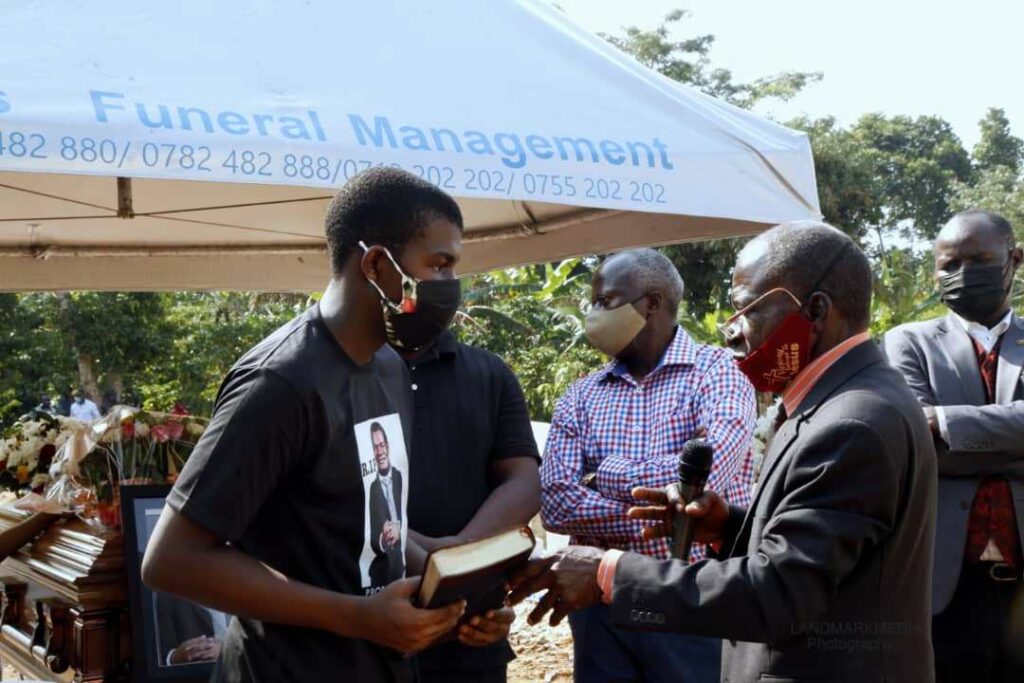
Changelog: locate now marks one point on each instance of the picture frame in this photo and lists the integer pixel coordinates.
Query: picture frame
(161, 623)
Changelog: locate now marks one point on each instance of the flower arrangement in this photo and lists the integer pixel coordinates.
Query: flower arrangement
(28, 447)
(127, 446)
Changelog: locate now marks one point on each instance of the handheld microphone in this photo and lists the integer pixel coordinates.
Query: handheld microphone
(694, 468)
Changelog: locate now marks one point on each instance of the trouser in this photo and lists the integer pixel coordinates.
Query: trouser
(605, 653)
(980, 635)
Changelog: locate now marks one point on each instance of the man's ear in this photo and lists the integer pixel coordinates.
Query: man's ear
(1017, 256)
(655, 302)
(370, 263)
(818, 308)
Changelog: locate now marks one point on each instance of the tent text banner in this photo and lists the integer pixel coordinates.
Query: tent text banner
(195, 145)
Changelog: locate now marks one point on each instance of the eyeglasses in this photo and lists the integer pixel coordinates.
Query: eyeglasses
(728, 328)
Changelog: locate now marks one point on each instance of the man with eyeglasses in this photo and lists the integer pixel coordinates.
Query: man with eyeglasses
(624, 426)
(825, 575)
(965, 369)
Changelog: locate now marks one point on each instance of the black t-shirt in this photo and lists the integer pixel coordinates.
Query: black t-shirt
(469, 412)
(286, 472)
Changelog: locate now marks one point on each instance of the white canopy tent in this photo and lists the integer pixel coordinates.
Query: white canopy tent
(195, 145)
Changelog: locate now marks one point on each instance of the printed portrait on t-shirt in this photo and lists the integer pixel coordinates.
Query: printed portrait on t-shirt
(384, 466)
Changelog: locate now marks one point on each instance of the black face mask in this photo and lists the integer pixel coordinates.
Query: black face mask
(974, 292)
(426, 310)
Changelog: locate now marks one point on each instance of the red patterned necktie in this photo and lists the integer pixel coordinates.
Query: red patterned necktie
(992, 513)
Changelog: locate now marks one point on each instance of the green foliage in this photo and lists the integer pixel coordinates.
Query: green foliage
(904, 290)
(998, 189)
(918, 163)
(532, 318)
(997, 148)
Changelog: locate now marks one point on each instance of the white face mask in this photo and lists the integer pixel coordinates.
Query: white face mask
(611, 330)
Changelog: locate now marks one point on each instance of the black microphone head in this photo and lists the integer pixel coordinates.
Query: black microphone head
(695, 461)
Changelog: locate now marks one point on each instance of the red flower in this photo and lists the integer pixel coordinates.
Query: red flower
(179, 409)
(128, 430)
(174, 429)
(110, 514)
(160, 433)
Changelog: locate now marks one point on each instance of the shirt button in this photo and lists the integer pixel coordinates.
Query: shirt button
(415, 387)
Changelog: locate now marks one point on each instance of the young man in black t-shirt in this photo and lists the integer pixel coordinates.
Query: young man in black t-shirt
(271, 517)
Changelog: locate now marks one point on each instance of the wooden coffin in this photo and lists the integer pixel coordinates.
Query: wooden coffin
(65, 604)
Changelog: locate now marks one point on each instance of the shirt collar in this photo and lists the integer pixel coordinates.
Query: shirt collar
(681, 351)
(997, 330)
(802, 384)
(446, 346)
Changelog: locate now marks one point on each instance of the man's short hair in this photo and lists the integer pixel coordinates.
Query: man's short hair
(652, 270)
(797, 255)
(376, 427)
(998, 222)
(386, 206)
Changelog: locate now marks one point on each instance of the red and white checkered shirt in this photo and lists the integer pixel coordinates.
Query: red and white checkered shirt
(631, 433)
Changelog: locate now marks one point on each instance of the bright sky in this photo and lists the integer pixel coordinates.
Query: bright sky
(949, 58)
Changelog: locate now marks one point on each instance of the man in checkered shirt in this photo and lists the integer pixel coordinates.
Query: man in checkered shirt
(624, 426)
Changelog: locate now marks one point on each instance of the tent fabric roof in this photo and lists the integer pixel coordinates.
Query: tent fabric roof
(235, 124)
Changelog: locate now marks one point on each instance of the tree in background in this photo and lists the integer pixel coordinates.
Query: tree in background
(704, 265)
(998, 147)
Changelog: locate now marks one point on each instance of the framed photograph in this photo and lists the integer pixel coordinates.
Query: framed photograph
(172, 639)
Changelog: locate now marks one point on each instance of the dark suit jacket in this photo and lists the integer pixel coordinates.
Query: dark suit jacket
(826, 577)
(938, 360)
(178, 620)
(389, 563)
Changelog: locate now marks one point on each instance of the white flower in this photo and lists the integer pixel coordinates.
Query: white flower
(39, 480)
(141, 429)
(33, 428)
(194, 428)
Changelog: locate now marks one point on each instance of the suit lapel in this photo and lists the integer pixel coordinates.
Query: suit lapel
(956, 343)
(780, 443)
(1011, 360)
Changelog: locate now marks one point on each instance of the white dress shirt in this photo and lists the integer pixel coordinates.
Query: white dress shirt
(86, 411)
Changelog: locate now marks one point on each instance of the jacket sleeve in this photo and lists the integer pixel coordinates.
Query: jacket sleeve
(842, 494)
(983, 439)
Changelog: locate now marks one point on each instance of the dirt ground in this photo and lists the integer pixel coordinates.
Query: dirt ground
(543, 654)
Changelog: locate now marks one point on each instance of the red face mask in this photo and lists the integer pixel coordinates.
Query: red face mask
(781, 356)
(786, 351)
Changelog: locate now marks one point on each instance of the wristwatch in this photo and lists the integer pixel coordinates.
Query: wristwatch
(589, 480)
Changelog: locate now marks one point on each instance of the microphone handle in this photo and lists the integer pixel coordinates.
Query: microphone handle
(682, 524)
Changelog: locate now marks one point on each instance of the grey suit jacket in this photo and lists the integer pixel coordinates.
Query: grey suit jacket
(938, 361)
(827, 575)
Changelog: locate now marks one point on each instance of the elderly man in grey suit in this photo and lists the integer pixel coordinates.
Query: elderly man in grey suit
(965, 369)
(826, 576)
